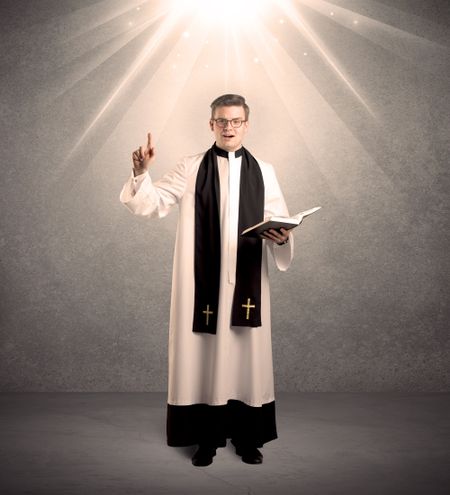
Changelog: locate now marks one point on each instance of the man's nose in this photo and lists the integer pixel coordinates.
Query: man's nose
(228, 123)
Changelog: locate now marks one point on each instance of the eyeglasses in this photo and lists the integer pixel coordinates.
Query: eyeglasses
(224, 122)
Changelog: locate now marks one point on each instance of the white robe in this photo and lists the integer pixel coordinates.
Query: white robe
(236, 362)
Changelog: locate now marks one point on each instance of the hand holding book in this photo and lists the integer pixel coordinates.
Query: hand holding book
(279, 237)
(277, 223)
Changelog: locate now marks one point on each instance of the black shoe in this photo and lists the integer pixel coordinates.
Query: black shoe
(203, 456)
(250, 455)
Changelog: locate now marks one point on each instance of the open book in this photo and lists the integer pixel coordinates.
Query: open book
(278, 223)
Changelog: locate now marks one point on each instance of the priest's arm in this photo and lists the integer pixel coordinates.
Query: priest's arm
(146, 198)
(275, 205)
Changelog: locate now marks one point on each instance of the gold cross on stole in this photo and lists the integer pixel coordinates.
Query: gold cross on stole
(248, 306)
(207, 312)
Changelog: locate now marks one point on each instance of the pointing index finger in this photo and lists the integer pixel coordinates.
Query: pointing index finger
(149, 140)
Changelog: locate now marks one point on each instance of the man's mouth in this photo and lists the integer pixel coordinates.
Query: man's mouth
(228, 135)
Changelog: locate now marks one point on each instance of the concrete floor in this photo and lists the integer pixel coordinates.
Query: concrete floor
(329, 443)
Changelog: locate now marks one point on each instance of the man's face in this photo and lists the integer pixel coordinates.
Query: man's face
(229, 138)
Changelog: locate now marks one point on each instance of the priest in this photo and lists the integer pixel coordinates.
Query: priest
(220, 352)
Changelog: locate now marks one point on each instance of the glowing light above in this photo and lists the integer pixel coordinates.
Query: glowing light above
(218, 11)
(220, 34)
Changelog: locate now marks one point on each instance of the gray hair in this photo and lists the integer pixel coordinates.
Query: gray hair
(230, 100)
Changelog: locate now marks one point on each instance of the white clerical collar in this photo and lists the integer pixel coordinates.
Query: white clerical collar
(231, 155)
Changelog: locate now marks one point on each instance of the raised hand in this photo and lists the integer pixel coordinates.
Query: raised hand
(143, 156)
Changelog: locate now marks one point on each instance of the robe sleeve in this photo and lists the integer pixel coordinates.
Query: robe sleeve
(146, 198)
(276, 206)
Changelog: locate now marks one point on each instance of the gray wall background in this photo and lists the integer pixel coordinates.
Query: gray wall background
(85, 286)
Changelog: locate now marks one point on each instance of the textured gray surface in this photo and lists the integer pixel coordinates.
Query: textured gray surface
(346, 444)
(85, 286)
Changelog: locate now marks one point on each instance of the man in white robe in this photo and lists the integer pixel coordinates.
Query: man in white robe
(220, 383)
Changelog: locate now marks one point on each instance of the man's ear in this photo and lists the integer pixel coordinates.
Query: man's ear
(211, 125)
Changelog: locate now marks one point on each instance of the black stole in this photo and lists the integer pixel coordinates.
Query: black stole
(246, 309)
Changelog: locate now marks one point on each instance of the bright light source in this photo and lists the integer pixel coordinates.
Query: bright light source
(218, 11)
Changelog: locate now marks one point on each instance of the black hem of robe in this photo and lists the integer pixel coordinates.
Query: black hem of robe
(212, 425)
